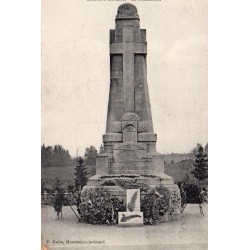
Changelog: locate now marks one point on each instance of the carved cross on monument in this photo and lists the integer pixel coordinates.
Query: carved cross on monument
(128, 49)
(128, 73)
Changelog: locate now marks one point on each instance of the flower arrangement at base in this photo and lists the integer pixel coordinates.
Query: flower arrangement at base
(155, 204)
(98, 206)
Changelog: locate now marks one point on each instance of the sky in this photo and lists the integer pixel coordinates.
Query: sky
(75, 71)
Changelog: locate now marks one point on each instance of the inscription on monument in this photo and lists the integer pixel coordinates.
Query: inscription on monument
(130, 133)
(127, 155)
(130, 116)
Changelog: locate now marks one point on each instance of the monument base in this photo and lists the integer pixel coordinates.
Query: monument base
(110, 182)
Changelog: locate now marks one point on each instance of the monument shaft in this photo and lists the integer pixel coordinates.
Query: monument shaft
(129, 97)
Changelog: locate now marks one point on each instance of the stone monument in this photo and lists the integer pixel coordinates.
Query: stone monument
(129, 142)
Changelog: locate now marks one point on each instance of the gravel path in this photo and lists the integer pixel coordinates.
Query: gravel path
(188, 233)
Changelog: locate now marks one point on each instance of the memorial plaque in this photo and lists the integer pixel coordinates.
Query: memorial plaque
(130, 219)
(133, 216)
(133, 200)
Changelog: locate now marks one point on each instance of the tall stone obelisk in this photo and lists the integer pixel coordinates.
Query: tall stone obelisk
(129, 142)
(129, 111)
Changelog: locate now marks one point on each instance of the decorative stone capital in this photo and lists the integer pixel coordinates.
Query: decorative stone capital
(127, 11)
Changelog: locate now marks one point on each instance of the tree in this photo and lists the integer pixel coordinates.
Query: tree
(46, 156)
(101, 149)
(55, 156)
(60, 156)
(90, 156)
(200, 163)
(186, 178)
(206, 149)
(81, 174)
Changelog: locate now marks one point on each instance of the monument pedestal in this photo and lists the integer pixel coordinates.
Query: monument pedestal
(111, 182)
(129, 162)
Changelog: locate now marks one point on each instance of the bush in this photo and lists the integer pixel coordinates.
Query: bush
(191, 191)
(99, 207)
(155, 204)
